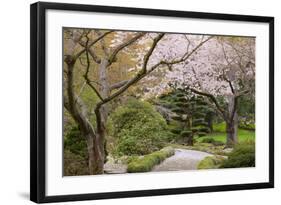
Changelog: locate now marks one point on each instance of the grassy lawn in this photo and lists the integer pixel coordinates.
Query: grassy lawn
(243, 135)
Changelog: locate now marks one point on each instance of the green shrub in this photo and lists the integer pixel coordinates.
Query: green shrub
(243, 155)
(186, 133)
(212, 141)
(139, 128)
(246, 126)
(75, 142)
(201, 134)
(219, 127)
(210, 162)
(147, 162)
(208, 140)
(74, 165)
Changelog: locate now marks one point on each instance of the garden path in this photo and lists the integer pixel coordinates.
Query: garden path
(182, 160)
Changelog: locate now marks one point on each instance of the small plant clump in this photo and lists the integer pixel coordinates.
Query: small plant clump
(211, 162)
(243, 155)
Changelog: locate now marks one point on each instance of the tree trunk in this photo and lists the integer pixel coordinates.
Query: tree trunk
(103, 110)
(231, 131)
(104, 88)
(190, 140)
(231, 123)
(96, 157)
(209, 119)
(78, 111)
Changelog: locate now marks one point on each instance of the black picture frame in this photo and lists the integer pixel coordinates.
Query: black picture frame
(38, 101)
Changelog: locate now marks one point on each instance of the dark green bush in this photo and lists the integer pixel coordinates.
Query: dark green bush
(208, 140)
(139, 129)
(212, 141)
(75, 142)
(74, 165)
(243, 155)
(75, 153)
(201, 134)
(186, 133)
(147, 162)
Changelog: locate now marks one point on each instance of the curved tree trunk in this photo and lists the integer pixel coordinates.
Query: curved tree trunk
(95, 157)
(78, 111)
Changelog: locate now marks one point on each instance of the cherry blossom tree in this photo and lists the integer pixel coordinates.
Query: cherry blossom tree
(223, 68)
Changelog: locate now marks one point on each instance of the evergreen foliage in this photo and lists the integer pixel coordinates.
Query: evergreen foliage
(190, 114)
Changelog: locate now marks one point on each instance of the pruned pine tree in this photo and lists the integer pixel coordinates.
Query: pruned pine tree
(190, 114)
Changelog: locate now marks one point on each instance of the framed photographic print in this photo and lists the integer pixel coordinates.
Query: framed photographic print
(129, 102)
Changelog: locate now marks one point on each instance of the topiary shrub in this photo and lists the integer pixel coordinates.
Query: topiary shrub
(139, 128)
(243, 155)
(147, 162)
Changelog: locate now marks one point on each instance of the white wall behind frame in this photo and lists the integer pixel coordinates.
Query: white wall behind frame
(15, 162)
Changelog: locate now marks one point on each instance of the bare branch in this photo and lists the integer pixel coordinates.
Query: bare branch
(229, 82)
(80, 91)
(91, 51)
(112, 57)
(88, 81)
(103, 45)
(118, 85)
(212, 98)
(244, 92)
(91, 44)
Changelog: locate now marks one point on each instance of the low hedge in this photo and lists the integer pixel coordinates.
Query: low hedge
(211, 162)
(147, 162)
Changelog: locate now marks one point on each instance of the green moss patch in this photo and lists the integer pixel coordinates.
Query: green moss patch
(211, 162)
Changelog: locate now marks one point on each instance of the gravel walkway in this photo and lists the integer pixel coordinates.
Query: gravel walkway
(181, 160)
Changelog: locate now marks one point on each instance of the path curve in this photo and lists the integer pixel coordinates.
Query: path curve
(182, 160)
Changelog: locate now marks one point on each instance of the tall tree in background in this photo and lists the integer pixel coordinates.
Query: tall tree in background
(85, 42)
